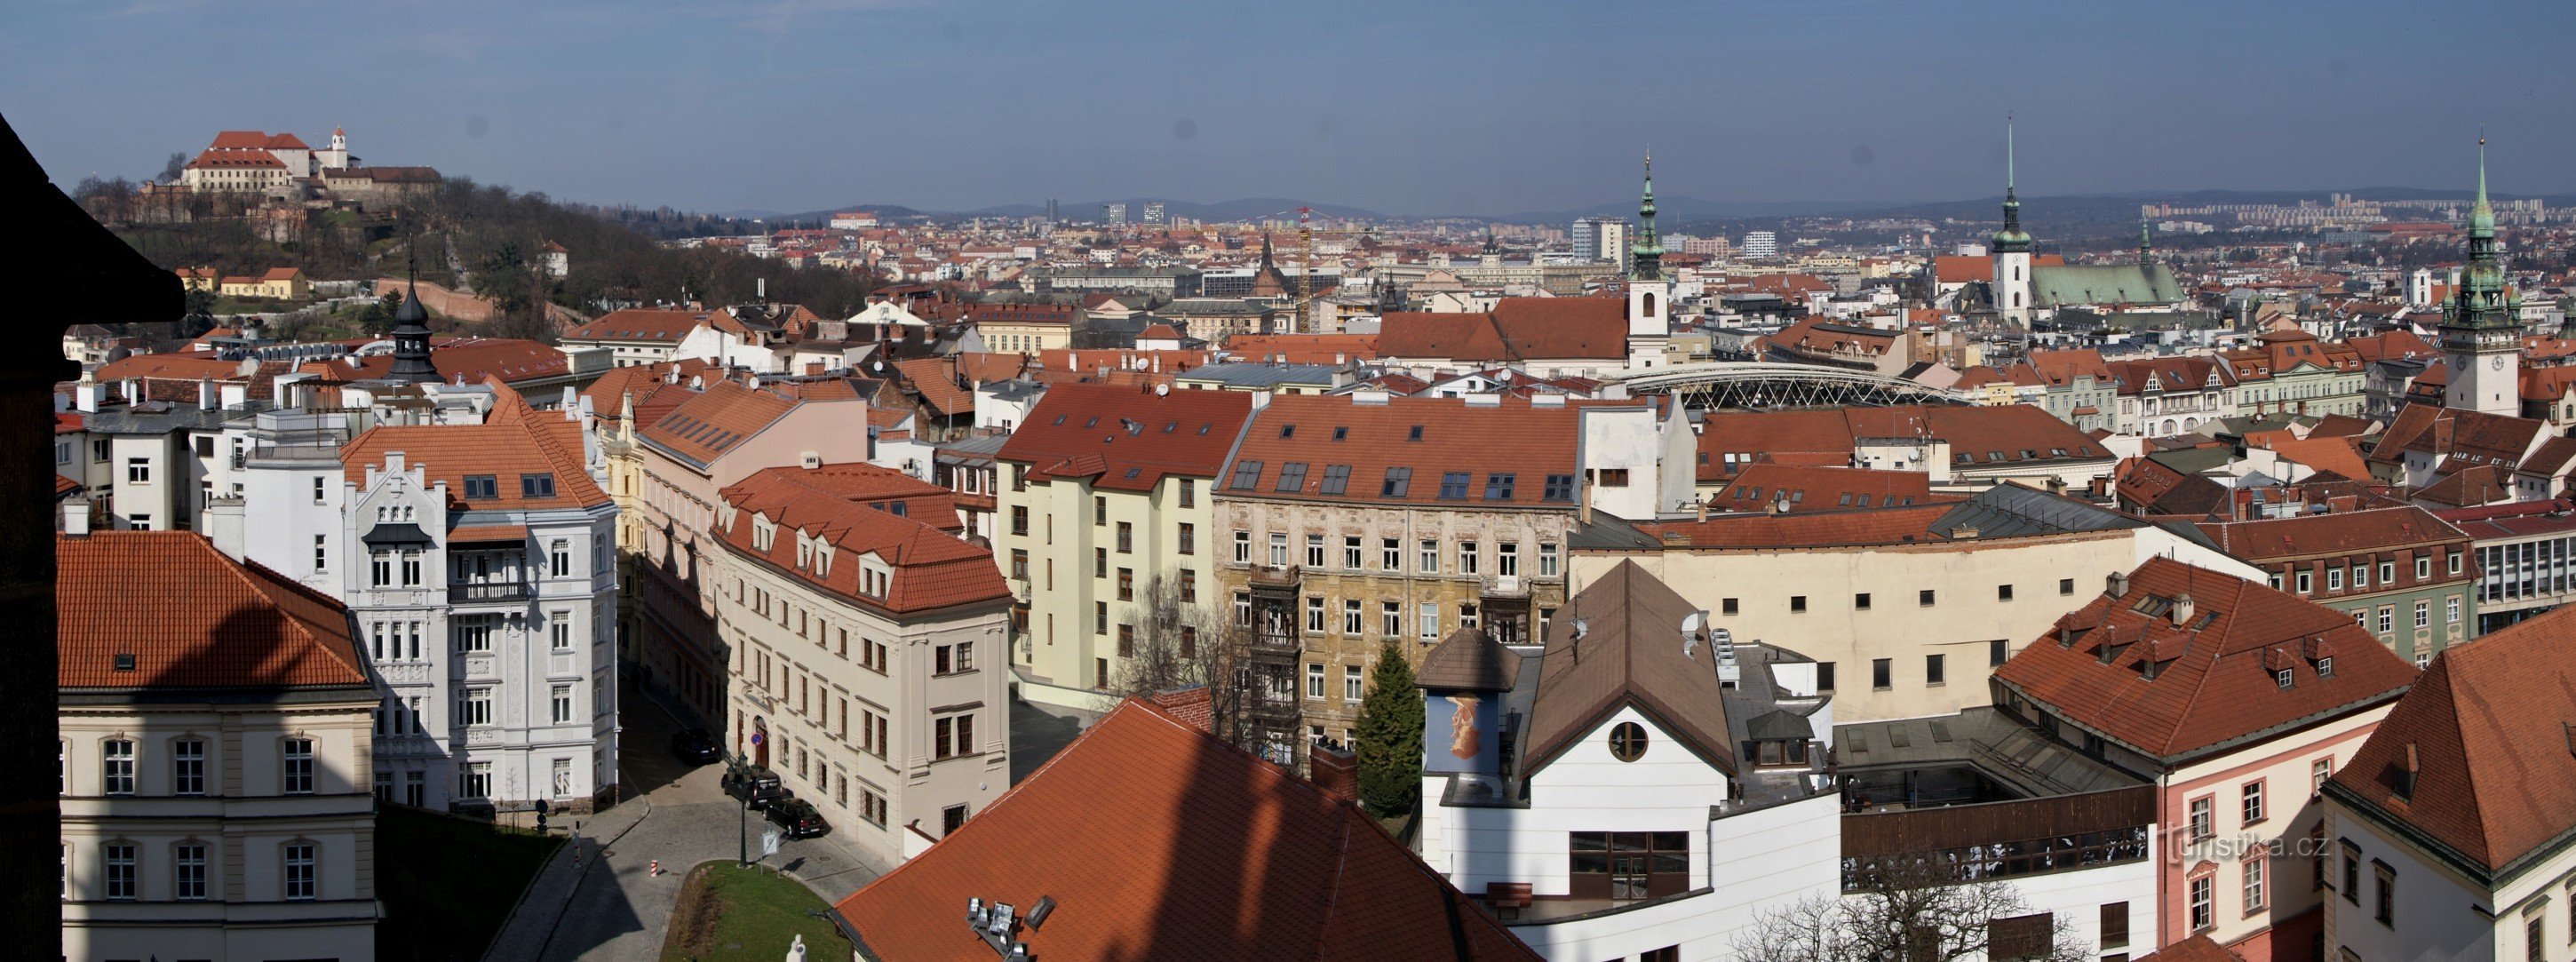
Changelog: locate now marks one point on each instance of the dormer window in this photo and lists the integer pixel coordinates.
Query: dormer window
(2325, 667)
(2283, 678)
(874, 581)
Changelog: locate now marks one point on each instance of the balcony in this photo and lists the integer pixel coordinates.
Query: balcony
(1275, 577)
(1506, 586)
(490, 591)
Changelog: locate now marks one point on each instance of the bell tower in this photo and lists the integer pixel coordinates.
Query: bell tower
(2481, 324)
(2012, 249)
(1649, 294)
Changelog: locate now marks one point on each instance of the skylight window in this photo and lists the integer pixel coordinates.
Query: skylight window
(1246, 475)
(1337, 479)
(1340, 433)
(1287, 431)
(1397, 480)
(1498, 486)
(1415, 434)
(1453, 485)
(1292, 476)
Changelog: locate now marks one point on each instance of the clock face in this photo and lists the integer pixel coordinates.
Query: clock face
(2496, 362)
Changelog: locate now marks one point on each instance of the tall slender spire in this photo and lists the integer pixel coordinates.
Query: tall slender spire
(412, 363)
(2482, 301)
(2146, 242)
(1648, 250)
(2010, 239)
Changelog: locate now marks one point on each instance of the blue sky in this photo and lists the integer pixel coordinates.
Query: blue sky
(1396, 106)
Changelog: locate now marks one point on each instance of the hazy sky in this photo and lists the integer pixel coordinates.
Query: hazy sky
(1402, 107)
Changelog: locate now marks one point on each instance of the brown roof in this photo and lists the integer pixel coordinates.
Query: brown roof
(2495, 762)
(1630, 653)
(2469, 487)
(473, 359)
(702, 428)
(1158, 841)
(1127, 438)
(2198, 948)
(1518, 329)
(2212, 684)
(2342, 532)
(1978, 436)
(191, 617)
(853, 507)
(513, 440)
(1763, 486)
(1468, 660)
(1806, 529)
(1506, 450)
(654, 324)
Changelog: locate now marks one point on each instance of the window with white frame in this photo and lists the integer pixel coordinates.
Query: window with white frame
(474, 707)
(1315, 551)
(1314, 680)
(117, 774)
(2203, 894)
(188, 767)
(2252, 798)
(1507, 559)
(300, 880)
(1390, 554)
(119, 882)
(1428, 561)
(380, 569)
(1351, 552)
(2254, 897)
(297, 767)
(560, 702)
(1279, 549)
(474, 633)
(188, 872)
(1243, 547)
(1391, 619)
(559, 630)
(1429, 616)
(1351, 616)
(1352, 689)
(559, 558)
(474, 780)
(2423, 614)
(1314, 614)
(1470, 558)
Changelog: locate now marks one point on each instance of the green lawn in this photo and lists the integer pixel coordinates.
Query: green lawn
(447, 883)
(730, 912)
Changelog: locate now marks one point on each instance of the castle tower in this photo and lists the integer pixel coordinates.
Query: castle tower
(1649, 294)
(2481, 325)
(2012, 250)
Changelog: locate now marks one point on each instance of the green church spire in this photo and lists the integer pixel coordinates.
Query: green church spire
(1648, 250)
(2010, 239)
(2146, 242)
(2482, 304)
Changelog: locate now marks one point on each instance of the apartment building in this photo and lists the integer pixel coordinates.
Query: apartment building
(2403, 573)
(213, 747)
(2238, 702)
(1905, 610)
(1353, 521)
(2523, 552)
(2449, 830)
(1108, 492)
(866, 640)
(699, 434)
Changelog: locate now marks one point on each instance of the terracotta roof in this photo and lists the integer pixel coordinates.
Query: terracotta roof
(2338, 533)
(472, 359)
(853, 507)
(650, 324)
(1763, 486)
(1127, 438)
(191, 617)
(653, 397)
(2339, 454)
(1630, 653)
(702, 428)
(1507, 451)
(1468, 660)
(2015, 434)
(935, 379)
(513, 441)
(1302, 348)
(2062, 367)
(2213, 685)
(2469, 487)
(2487, 725)
(2198, 948)
(1518, 329)
(1121, 830)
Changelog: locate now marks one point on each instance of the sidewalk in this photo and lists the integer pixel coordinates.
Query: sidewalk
(534, 920)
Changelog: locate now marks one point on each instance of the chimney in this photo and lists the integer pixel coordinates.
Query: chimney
(2117, 585)
(1699, 506)
(205, 394)
(86, 397)
(2182, 608)
(2056, 485)
(76, 518)
(1333, 768)
(1583, 513)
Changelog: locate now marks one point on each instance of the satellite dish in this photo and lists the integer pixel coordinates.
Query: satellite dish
(1162, 389)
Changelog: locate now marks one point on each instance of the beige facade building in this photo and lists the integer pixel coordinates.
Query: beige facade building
(214, 743)
(865, 637)
(1906, 610)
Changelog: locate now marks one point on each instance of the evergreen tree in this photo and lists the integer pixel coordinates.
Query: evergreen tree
(1390, 737)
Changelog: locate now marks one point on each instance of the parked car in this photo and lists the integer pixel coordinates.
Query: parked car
(695, 746)
(759, 786)
(797, 818)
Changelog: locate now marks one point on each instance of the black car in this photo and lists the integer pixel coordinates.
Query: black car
(757, 785)
(695, 746)
(797, 818)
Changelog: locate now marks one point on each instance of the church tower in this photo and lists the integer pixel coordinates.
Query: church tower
(1649, 294)
(2012, 250)
(2481, 326)
(412, 364)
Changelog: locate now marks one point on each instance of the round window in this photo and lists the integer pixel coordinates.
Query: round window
(1628, 741)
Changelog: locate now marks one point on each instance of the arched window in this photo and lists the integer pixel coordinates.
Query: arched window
(1649, 303)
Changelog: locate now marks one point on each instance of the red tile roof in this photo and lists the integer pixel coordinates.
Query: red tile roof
(191, 617)
(2341, 455)
(1157, 841)
(2487, 725)
(702, 428)
(651, 324)
(1302, 348)
(513, 440)
(2213, 684)
(2339, 533)
(2198, 948)
(471, 359)
(1520, 443)
(1762, 486)
(851, 506)
(1986, 436)
(1806, 529)
(1518, 329)
(1127, 438)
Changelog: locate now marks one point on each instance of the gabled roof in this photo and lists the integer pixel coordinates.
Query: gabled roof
(2080, 284)
(652, 325)
(2213, 684)
(1127, 438)
(701, 429)
(2015, 434)
(514, 440)
(191, 617)
(1158, 841)
(2343, 532)
(1468, 660)
(1507, 451)
(1518, 329)
(1630, 652)
(1763, 486)
(852, 507)
(2488, 727)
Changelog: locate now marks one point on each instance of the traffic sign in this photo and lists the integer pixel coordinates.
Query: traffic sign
(769, 843)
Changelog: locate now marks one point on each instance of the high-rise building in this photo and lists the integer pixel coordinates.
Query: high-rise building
(1154, 213)
(1114, 215)
(1761, 243)
(1601, 239)
(1051, 218)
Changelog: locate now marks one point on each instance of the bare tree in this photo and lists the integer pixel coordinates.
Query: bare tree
(1912, 910)
(1182, 643)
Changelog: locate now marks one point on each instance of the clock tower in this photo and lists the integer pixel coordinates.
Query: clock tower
(2481, 325)
(2012, 284)
(1650, 295)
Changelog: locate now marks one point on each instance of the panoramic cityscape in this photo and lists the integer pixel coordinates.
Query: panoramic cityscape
(1441, 487)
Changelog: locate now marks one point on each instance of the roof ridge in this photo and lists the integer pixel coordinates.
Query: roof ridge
(2487, 830)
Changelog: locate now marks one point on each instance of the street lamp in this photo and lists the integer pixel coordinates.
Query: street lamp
(742, 770)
